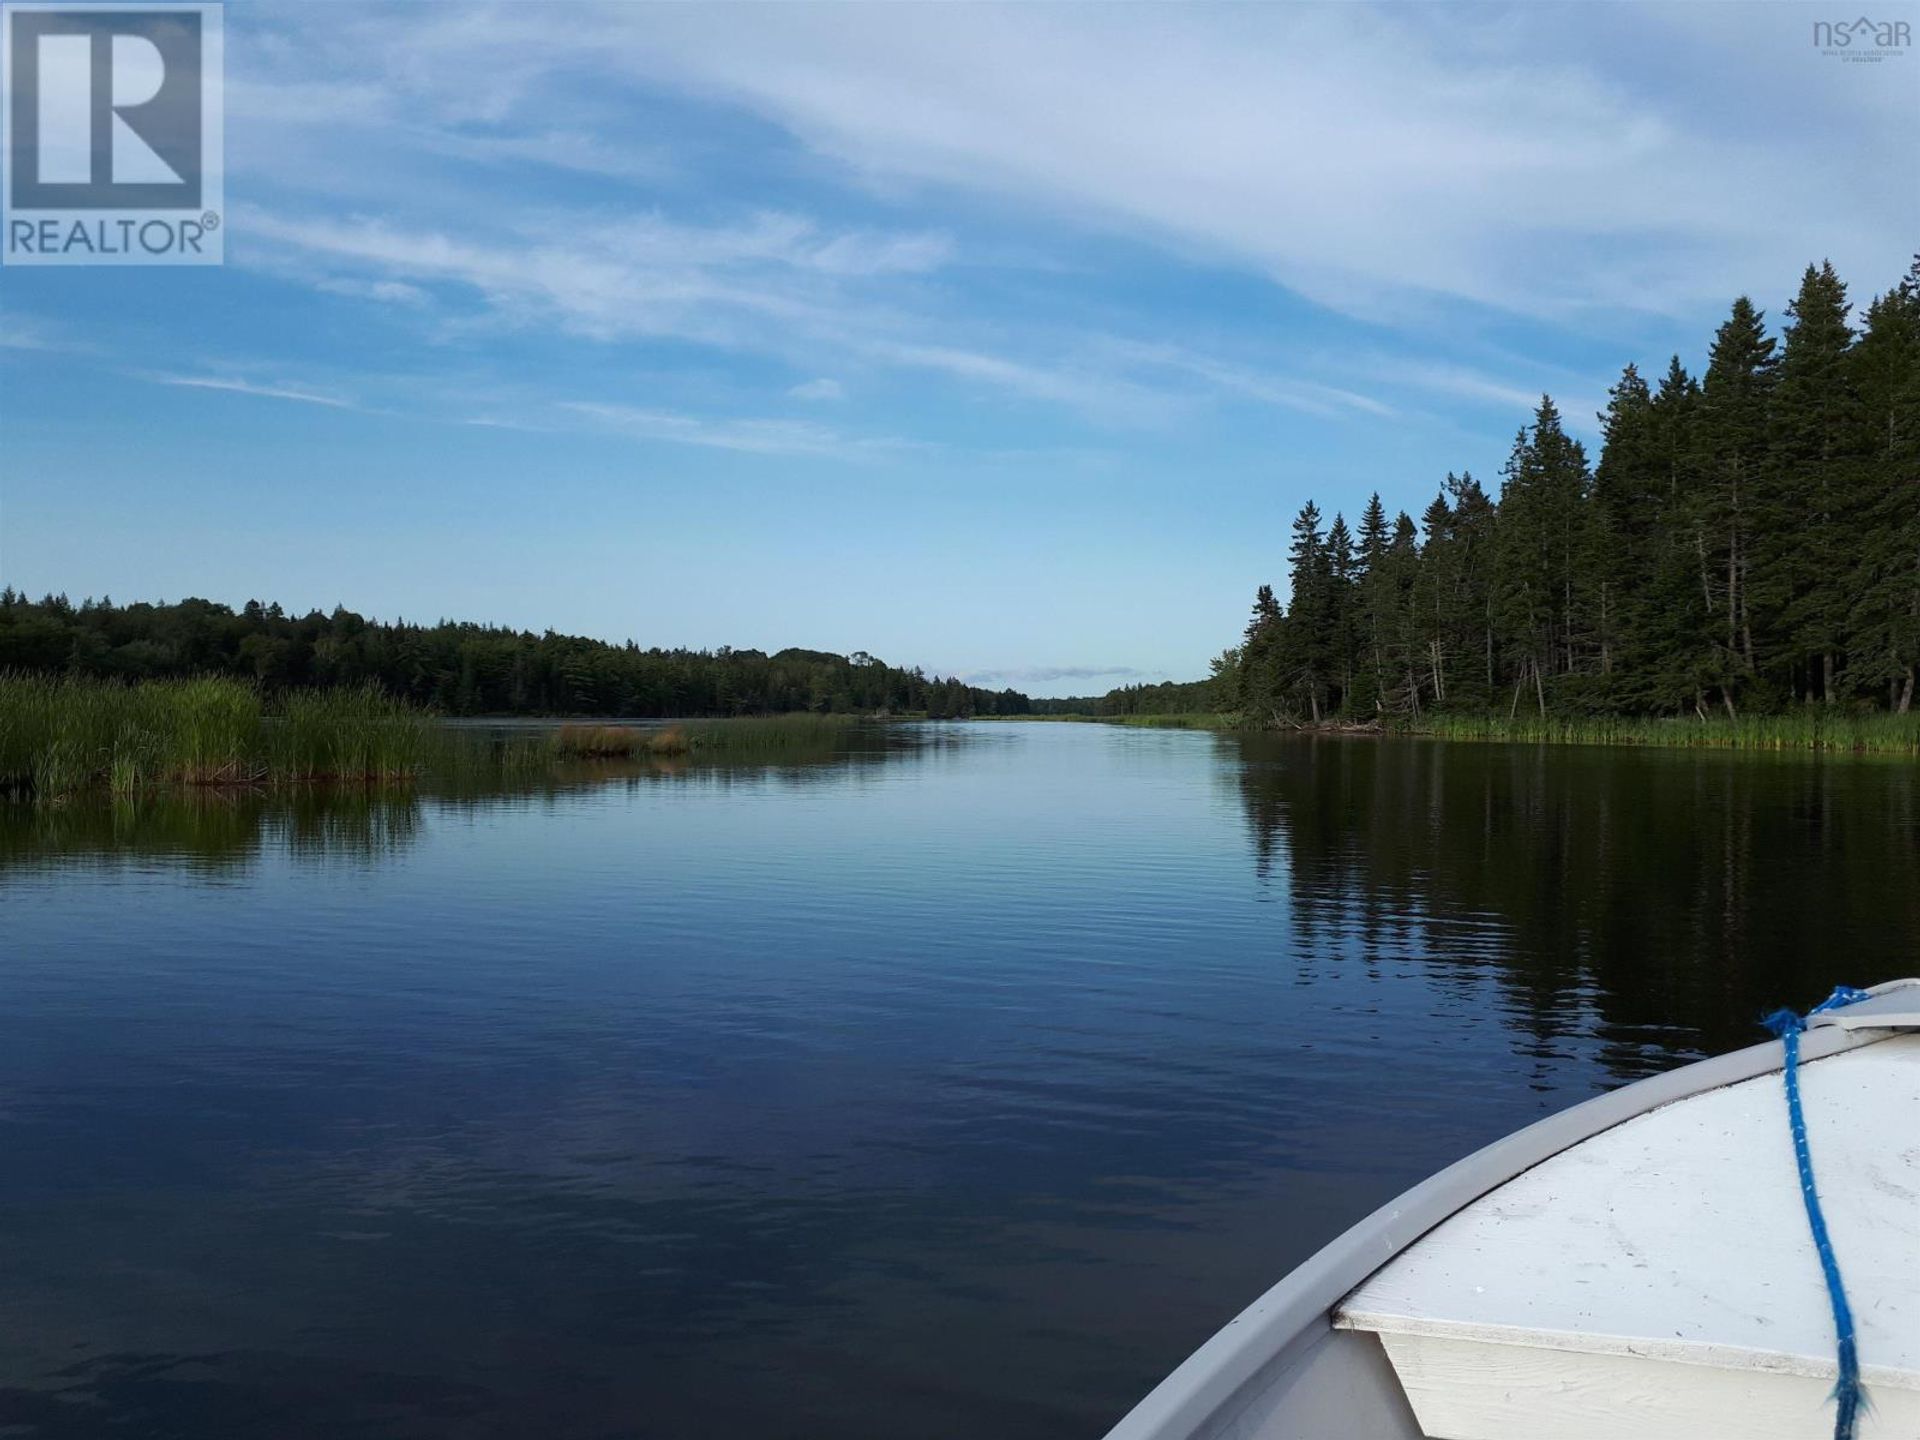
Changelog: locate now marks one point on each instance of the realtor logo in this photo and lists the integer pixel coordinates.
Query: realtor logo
(113, 135)
(1862, 40)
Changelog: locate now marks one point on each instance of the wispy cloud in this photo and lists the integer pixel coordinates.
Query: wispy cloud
(1313, 397)
(775, 284)
(1049, 674)
(821, 389)
(1363, 155)
(19, 332)
(235, 386)
(387, 292)
(1460, 381)
(750, 435)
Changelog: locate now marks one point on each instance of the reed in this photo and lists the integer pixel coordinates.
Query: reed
(741, 737)
(599, 742)
(354, 735)
(766, 734)
(1803, 730)
(1202, 721)
(61, 735)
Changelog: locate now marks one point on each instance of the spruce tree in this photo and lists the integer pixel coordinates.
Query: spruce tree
(1433, 585)
(1730, 453)
(1343, 570)
(1886, 372)
(1306, 645)
(1628, 491)
(1375, 605)
(1808, 565)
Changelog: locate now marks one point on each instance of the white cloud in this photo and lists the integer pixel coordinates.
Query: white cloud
(1362, 155)
(1048, 674)
(235, 386)
(1389, 162)
(749, 435)
(821, 389)
(386, 292)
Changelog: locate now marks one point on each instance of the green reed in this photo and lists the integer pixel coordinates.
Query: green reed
(763, 734)
(1807, 729)
(60, 735)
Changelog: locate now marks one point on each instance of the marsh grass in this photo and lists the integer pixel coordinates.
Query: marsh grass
(600, 742)
(1809, 730)
(1198, 720)
(754, 735)
(62, 735)
(741, 738)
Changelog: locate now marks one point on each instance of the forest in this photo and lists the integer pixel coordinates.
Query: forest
(1747, 542)
(1169, 697)
(463, 668)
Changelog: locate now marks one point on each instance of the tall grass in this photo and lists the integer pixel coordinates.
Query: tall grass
(63, 735)
(59, 735)
(767, 734)
(1195, 720)
(1810, 730)
(739, 738)
(344, 734)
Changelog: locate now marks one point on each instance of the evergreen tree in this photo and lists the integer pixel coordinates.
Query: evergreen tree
(1886, 373)
(1730, 453)
(1809, 569)
(1343, 570)
(1307, 643)
(1629, 491)
(1377, 618)
(1434, 584)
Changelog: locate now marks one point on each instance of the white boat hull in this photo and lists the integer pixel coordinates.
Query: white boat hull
(1293, 1367)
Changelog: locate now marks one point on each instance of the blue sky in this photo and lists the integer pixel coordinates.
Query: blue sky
(1005, 341)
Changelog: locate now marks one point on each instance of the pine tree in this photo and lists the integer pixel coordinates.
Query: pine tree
(1730, 451)
(1886, 372)
(1680, 662)
(1808, 569)
(1403, 559)
(1748, 537)
(1433, 584)
(1470, 599)
(1542, 544)
(1377, 619)
(1305, 648)
(1257, 679)
(1628, 491)
(1343, 570)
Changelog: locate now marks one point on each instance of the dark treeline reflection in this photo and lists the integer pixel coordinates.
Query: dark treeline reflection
(1654, 902)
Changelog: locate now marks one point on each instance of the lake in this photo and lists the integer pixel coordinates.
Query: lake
(954, 1085)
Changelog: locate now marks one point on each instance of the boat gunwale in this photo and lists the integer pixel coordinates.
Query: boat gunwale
(1208, 1382)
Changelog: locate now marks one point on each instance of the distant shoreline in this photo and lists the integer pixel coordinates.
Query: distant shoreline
(1846, 733)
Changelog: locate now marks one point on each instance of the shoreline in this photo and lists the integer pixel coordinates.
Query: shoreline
(1859, 734)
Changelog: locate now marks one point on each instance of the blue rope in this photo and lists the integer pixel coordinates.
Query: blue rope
(1849, 1395)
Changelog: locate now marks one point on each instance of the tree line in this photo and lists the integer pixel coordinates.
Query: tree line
(465, 669)
(1749, 540)
(1169, 697)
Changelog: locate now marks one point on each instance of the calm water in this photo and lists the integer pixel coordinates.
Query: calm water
(951, 1088)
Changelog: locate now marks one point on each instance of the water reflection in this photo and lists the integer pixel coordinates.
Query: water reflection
(956, 1082)
(1656, 901)
(209, 831)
